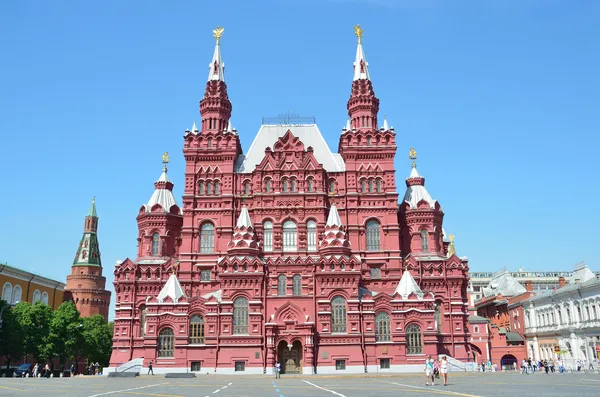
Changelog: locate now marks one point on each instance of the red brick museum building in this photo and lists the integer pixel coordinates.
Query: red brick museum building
(290, 252)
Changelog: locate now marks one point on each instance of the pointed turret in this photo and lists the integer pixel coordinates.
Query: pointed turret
(385, 124)
(334, 239)
(86, 286)
(160, 221)
(408, 286)
(244, 241)
(215, 107)
(422, 232)
(88, 252)
(163, 190)
(451, 247)
(363, 105)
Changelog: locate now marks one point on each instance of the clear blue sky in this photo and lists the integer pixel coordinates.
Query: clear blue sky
(501, 100)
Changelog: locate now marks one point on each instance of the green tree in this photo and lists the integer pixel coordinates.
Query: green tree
(65, 332)
(11, 337)
(34, 324)
(97, 339)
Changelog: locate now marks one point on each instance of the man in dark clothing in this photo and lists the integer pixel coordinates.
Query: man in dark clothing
(150, 369)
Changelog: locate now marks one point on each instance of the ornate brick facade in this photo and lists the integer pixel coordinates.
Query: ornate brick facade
(290, 253)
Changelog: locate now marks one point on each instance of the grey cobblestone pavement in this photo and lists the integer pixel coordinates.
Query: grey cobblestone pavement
(460, 384)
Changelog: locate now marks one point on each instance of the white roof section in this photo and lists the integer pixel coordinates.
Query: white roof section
(385, 124)
(407, 286)
(334, 217)
(361, 66)
(503, 283)
(162, 196)
(415, 193)
(309, 134)
(581, 274)
(244, 218)
(218, 72)
(217, 295)
(172, 289)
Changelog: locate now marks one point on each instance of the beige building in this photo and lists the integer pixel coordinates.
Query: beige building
(22, 286)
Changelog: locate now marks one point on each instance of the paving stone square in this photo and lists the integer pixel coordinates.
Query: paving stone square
(460, 384)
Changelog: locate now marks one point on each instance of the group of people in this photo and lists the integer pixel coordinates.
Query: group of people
(44, 372)
(433, 368)
(529, 366)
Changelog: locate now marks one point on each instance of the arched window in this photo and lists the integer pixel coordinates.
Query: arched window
(378, 181)
(413, 339)
(338, 314)
(240, 316)
(143, 313)
(297, 285)
(217, 185)
(268, 185)
(207, 238)
(45, 297)
(166, 343)
(368, 141)
(424, 241)
(281, 285)
(208, 188)
(311, 235)
(196, 329)
(370, 185)
(309, 185)
(7, 292)
(16, 295)
(284, 185)
(292, 185)
(209, 142)
(437, 316)
(382, 327)
(155, 243)
(37, 296)
(201, 188)
(363, 186)
(290, 233)
(268, 236)
(246, 187)
(332, 186)
(373, 237)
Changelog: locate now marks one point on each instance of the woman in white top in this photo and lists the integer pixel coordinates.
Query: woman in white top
(444, 366)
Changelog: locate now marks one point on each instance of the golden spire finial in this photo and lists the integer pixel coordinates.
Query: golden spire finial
(358, 32)
(165, 160)
(412, 154)
(451, 248)
(217, 33)
(175, 266)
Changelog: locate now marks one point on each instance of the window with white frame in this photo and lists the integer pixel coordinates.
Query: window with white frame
(240, 316)
(297, 285)
(338, 314)
(155, 243)
(290, 236)
(16, 295)
(166, 343)
(382, 327)
(207, 238)
(414, 343)
(7, 292)
(45, 297)
(311, 235)
(268, 236)
(37, 296)
(281, 285)
(373, 235)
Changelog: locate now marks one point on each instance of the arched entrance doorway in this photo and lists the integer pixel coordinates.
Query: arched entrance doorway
(508, 361)
(290, 357)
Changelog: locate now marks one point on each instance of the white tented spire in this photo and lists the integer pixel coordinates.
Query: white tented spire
(229, 127)
(385, 124)
(407, 286)
(172, 289)
(334, 218)
(348, 127)
(216, 68)
(194, 128)
(244, 219)
(361, 66)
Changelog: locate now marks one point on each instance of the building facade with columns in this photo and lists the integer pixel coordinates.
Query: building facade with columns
(290, 252)
(565, 323)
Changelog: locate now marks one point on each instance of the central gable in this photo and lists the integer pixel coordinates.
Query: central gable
(273, 135)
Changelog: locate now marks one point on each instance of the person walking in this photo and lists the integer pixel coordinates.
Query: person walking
(36, 369)
(429, 371)
(277, 370)
(444, 367)
(150, 369)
